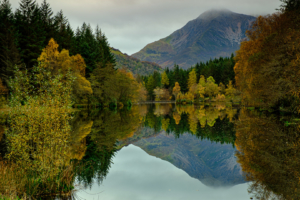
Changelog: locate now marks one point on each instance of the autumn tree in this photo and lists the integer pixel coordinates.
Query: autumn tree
(201, 86)
(61, 62)
(211, 88)
(230, 90)
(267, 62)
(166, 95)
(192, 81)
(164, 79)
(176, 89)
(158, 93)
(142, 92)
(125, 86)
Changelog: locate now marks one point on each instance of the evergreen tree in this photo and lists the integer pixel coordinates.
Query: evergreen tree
(150, 85)
(47, 21)
(291, 5)
(9, 53)
(31, 33)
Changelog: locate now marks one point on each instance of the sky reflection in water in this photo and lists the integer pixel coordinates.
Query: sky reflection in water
(135, 175)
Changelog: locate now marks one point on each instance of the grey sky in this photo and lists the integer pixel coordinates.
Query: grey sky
(131, 24)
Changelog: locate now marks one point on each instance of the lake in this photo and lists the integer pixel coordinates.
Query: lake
(168, 151)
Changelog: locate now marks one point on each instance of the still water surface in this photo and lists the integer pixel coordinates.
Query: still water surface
(161, 152)
(166, 152)
(136, 175)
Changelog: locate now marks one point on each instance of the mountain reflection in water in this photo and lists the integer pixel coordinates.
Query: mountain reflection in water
(199, 140)
(164, 151)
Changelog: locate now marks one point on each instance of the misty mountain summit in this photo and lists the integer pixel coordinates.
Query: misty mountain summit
(215, 33)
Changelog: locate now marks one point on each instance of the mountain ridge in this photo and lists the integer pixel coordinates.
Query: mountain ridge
(213, 34)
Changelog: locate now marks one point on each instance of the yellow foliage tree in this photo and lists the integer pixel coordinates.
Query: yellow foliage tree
(61, 62)
(164, 79)
(176, 90)
(202, 81)
(201, 91)
(230, 90)
(211, 88)
(192, 81)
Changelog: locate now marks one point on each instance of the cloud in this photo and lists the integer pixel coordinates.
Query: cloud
(131, 24)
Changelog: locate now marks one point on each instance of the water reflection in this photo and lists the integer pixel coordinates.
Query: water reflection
(269, 153)
(179, 137)
(108, 127)
(200, 140)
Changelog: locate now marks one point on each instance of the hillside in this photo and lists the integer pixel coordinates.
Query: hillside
(135, 65)
(213, 34)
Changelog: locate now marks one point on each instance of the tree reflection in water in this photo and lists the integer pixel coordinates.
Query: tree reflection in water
(269, 153)
(268, 150)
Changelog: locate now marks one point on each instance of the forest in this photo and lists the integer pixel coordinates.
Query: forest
(33, 37)
(213, 79)
(47, 69)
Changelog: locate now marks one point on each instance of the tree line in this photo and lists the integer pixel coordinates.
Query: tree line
(33, 36)
(213, 76)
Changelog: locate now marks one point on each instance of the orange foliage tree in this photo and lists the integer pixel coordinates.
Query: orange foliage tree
(267, 64)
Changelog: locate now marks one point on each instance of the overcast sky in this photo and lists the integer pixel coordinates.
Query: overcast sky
(131, 24)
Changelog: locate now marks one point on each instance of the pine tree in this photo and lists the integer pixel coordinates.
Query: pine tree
(32, 38)
(150, 85)
(9, 53)
(47, 22)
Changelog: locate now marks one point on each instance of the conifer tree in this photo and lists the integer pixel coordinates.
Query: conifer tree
(31, 33)
(150, 85)
(9, 53)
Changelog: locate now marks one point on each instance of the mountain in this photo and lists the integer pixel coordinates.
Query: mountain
(213, 34)
(135, 65)
(214, 164)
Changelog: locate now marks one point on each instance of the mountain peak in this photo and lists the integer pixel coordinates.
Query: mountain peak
(215, 33)
(214, 13)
